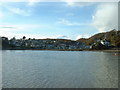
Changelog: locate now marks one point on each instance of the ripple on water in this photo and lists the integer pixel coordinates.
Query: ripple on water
(59, 69)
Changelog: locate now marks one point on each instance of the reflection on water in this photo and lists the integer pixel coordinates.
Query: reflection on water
(59, 69)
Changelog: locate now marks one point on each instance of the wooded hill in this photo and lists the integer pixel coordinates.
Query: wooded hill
(112, 36)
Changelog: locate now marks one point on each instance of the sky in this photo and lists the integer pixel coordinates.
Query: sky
(64, 20)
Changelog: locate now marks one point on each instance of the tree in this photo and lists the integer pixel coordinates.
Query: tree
(29, 39)
(5, 42)
(24, 37)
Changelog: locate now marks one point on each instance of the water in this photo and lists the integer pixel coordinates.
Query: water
(59, 69)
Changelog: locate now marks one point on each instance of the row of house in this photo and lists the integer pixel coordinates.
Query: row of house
(47, 44)
(52, 44)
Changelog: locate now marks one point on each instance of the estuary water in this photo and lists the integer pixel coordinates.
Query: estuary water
(59, 69)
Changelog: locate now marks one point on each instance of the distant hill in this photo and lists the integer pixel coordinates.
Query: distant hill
(112, 36)
(59, 41)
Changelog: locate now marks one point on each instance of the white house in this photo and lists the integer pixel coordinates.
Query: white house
(104, 42)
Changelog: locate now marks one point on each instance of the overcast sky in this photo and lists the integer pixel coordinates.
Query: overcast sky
(68, 20)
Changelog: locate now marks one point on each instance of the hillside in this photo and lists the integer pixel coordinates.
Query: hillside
(112, 36)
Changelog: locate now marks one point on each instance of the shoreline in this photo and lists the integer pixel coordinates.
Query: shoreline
(107, 50)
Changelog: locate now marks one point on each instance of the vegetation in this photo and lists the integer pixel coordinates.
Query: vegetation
(112, 36)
